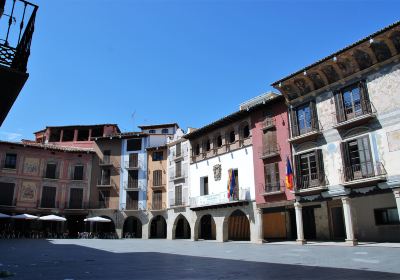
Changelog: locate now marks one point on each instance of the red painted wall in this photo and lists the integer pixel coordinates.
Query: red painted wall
(279, 111)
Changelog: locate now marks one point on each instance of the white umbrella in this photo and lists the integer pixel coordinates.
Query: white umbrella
(97, 219)
(4, 216)
(52, 218)
(25, 217)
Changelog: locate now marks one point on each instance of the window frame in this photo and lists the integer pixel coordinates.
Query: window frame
(14, 162)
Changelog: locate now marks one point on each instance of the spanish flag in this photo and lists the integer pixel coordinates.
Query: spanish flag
(289, 175)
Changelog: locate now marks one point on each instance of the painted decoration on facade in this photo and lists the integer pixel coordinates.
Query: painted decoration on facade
(217, 172)
(28, 191)
(393, 138)
(31, 166)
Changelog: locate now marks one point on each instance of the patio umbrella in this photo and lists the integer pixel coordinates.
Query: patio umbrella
(54, 218)
(4, 216)
(97, 219)
(25, 217)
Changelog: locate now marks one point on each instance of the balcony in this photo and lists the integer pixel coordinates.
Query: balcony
(158, 187)
(158, 206)
(133, 185)
(269, 189)
(268, 123)
(105, 183)
(311, 183)
(105, 161)
(351, 117)
(306, 134)
(133, 165)
(363, 174)
(178, 175)
(177, 155)
(16, 31)
(218, 199)
(269, 151)
(132, 205)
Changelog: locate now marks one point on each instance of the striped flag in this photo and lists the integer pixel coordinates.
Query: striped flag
(289, 175)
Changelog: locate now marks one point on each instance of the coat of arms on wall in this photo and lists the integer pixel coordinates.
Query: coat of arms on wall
(31, 166)
(28, 191)
(217, 172)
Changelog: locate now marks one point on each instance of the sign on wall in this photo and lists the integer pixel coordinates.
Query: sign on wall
(217, 172)
(31, 166)
(28, 191)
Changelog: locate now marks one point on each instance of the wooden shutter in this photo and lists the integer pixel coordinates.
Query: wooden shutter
(365, 103)
(344, 148)
(297, 165)
(7, 194)
(364, 151)
(293, 122)
(133, 160)
(320, 166)
(75, 198)
(340, 116)
(157, 178)
(314, 115)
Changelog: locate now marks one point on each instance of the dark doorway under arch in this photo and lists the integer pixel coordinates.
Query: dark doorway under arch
(207, 228)
(158, 227)
(182, 230)
(132, 228)
(238, 227)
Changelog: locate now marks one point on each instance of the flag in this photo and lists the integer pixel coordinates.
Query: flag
(231, 184)
(289, 175)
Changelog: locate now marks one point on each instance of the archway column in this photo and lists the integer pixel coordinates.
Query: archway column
(171, 228)
(299, 223)
(348, 220)
(145, 230)
(256, 229)
(221, 228)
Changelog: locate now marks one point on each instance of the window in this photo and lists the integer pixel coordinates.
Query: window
(55, 135)
(178, 195)
(68, 135)
(204, 186)
(152, 131)
(104, 199)
(157, 200)
(178, 169)
(219, 141)
(352, 101)
(197, 150)
(386, 216)
(132, 199)
(208, 145)
(105, 177)
(75, 198)
(158, 156)
(133, 160)
(10, 161)
(164, 131)
(48, 197)
(7, 194)
(178, 150)
(270, 143)
(157, 177)
(246, 131)
(357, 159)
(310, 169)
(106, 157)
(97, 132)
(232, 136)
(78, 172)
(304, 119)
(51, 169)
(134, 144)
(271, 176)
(83, 135)
(133, 179)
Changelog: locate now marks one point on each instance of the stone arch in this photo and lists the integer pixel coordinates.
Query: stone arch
(158, 227)
(236, 226)
(132, 227)
(244, 130)
(205, 227)
(181, 228)
(102, 228)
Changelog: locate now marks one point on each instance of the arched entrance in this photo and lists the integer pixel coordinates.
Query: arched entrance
(104, 229)
(182, 228)
(238, 226)
(207, 228)
(132, 228)
(158, 227)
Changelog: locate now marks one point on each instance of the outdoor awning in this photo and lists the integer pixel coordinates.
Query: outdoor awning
(97, 219)
(4, 216)
(52, 218)
(25, 217)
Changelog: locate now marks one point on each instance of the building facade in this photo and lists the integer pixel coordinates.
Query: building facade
(343, 116)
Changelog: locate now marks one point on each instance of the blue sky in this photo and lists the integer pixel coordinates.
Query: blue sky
(191, 62)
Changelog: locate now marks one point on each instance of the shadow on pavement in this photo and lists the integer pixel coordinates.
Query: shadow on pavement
(40, 259)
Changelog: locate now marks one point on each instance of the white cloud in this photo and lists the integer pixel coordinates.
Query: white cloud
(10, 136)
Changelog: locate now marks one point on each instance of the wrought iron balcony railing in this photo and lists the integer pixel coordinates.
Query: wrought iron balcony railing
(219, 198)
(364, 171)
(15, 35)
(310, 181)
(273, 187)
(158, 205)
(363, 111)
(269, 151)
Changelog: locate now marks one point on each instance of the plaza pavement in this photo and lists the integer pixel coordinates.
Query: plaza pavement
(181, 259)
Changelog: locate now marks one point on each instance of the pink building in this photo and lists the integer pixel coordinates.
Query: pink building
(270, 131)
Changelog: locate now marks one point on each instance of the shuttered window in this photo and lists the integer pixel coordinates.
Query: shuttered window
(133, 160)
(78, 172)
(157, 177)
(157, 200)
(51, 169)
(178, 150)
(178, 169)
(178, 195)
(6, 194)
(48, 197)
(10, 161)
(304, 119)
(271, 174)
(132, 200)
(310, 169)
(133, 179)
(75, 198)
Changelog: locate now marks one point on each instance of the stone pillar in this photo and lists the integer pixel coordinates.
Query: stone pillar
(348, 221)
(299, 223)
(145, 230)
(259, 225)
(396, 193)
(170, 226)
(119, 232)
(221, 229)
